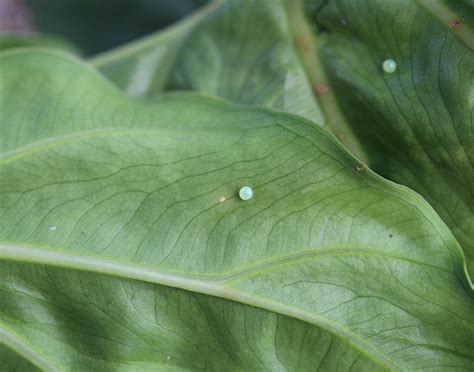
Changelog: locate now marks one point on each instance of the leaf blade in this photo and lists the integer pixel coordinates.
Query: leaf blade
(117, 181)
(415, 124)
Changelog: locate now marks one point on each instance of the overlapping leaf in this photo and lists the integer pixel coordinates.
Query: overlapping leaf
(417, 123)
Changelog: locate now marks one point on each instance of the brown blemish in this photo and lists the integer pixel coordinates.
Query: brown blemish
(302, 44)
(454, 23)
(360, 167)
(321, 89)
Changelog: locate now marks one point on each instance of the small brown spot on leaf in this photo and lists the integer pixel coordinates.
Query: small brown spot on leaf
(302, 44)
(321, 89)
(360, 167)
(454, 23)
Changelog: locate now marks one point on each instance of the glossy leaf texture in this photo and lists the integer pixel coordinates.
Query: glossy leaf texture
(243, 51)
(416, 124)
(124, 245)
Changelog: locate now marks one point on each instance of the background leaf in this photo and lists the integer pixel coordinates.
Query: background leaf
(416, 124)
(124, 243)
(242, 51)
(143, 67)
(96, 26)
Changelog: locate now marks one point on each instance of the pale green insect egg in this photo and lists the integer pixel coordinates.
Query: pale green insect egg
(389, 66)
(246, 193)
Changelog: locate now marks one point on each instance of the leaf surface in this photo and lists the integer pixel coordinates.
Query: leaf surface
(417, 124)
(124, 243)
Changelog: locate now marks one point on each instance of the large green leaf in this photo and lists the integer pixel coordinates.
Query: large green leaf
(416, 124)
(124, 245)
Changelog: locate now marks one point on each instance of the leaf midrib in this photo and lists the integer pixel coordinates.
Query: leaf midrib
(311, 64)
(15, 343)
(444, 14)
(215, 285)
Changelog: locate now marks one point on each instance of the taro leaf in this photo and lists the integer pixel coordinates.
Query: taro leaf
(238, 50)
(416, 124)
(124, 245)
